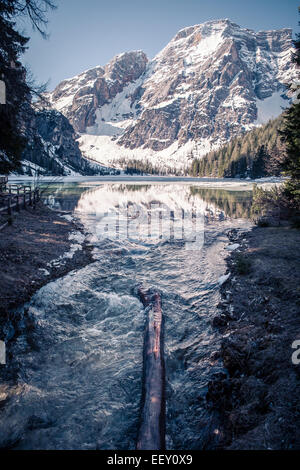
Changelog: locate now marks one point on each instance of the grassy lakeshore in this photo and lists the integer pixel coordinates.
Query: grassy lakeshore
(257, 397)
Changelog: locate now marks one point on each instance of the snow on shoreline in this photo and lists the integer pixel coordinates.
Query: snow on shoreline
(230, 183)
(76, 236)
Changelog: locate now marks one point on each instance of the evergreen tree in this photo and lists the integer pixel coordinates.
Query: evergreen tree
(259, 150)
(12, 73)
(13, 114)
(291, 137)
(258, 165)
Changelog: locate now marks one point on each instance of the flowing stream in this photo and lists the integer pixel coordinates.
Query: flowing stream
(80, 379)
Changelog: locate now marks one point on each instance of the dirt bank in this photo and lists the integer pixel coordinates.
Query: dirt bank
(257, 397)
(32, 253)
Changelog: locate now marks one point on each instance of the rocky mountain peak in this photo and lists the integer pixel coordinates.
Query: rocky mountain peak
(211, 82)
(79, 97)
(126, 67)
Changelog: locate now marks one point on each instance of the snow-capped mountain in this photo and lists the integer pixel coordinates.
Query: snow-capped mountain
(210, 83)
(51, 146)
(84, 98)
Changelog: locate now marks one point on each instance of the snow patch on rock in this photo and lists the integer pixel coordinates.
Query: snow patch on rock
(223, 279)
(76, 237)
(232, 247)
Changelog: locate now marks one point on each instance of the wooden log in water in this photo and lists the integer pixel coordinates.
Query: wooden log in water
(152, 428)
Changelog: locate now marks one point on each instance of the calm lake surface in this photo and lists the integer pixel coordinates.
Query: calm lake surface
(80, 387)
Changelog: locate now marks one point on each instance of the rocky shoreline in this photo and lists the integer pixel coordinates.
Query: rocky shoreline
(40, 246)
(257, 396)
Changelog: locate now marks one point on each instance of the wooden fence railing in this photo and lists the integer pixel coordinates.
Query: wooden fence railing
(3, 182)
(17, 197)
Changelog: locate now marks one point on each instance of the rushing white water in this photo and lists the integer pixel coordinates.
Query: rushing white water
(80, 377)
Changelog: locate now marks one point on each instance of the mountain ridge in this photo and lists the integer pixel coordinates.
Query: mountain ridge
(210, 83)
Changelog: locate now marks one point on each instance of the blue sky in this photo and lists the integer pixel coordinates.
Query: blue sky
(86, 33)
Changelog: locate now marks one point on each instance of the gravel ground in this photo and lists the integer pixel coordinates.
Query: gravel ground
(257, 396)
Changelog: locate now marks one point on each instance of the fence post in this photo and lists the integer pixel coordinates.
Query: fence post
(24, 197)
(30, 197)
(17, 204)
(8, 206)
